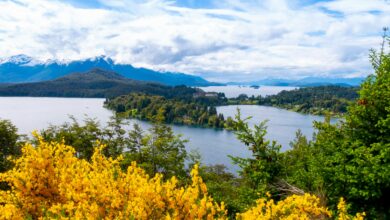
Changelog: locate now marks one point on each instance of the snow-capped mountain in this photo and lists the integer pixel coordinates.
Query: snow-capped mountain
(18, 59)
(22, 68)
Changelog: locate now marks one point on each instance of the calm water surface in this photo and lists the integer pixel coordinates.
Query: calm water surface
(29, 113)
(234, 91)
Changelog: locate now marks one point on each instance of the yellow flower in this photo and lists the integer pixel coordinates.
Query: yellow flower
(293, 207)
(48, 181)
(343, 212)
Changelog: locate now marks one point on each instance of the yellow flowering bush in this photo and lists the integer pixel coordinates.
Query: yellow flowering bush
(296, 207)
(48, 181)
(293, 207)
(343, 212)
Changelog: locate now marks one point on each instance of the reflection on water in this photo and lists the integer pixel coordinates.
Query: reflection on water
(29, 113)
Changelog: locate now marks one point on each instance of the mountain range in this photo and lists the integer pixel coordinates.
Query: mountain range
(22, 68)
(94, 83)
(305, 82)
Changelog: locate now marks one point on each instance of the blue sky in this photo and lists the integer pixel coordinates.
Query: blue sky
(221, 40)
(195, 4)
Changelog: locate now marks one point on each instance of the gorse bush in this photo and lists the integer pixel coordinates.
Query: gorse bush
(302, 207)
(294, 207)
(50, 182)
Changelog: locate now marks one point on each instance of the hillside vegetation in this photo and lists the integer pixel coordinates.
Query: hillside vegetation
(94, 83)
(313, 100)
(201, 110)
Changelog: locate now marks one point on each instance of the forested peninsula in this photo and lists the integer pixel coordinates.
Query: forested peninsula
(193, 112)
(319, 100)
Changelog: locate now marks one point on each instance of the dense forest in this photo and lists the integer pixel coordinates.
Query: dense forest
(314, 100)
(201, 110)
(176, 111)
(198, 109)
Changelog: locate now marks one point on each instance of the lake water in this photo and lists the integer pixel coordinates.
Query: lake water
(29, 113)
(234, 91)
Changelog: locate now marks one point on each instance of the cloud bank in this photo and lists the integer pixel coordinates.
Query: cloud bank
(224, 40)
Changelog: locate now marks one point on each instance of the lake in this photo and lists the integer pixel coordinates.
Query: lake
(234, 91)
(29, 113)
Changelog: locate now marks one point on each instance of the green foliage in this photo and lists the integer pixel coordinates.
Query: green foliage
(314, 100)
(367, 144)
(94, 83)
(83, 136)
(299, 166)
(10, 144)
(176, 111)
(158, 150)
(10, 147)
(225, 187)
(263, 167)
(351, 159)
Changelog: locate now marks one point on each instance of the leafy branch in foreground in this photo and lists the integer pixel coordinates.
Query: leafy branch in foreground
(348, 159)
(263, 167)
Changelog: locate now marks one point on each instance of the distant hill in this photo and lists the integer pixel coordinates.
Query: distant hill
(318, 100)
(314, 100)
(94, 83)
(305, 82)
(22, 68)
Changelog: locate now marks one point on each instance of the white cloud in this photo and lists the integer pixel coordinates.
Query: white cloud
(353, 6)
(233, 40)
